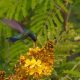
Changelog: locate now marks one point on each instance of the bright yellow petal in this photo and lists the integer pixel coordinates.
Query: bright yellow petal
(32, 71)
(38, 62)
(39, 70)
(32, 63)
(27, 62)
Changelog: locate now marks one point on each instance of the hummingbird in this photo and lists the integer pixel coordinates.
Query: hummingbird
(23, 33)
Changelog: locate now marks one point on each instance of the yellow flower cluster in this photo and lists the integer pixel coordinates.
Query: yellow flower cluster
(41, 62)
(36, 68)
(36, 64)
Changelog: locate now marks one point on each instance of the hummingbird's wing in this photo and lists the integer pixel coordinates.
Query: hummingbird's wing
(13, 24)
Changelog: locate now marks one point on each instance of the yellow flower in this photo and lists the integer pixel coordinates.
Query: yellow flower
(40, 69)
(37, 69)
(31, 71)
(34, 63)
(38, 62)
(47, 70)
(27, 62)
